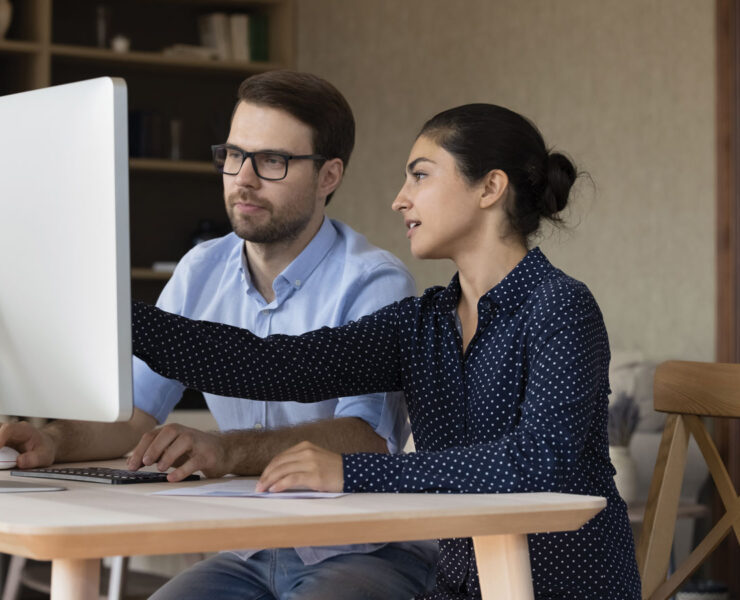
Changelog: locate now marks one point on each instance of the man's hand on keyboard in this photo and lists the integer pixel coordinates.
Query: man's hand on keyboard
(189, 450)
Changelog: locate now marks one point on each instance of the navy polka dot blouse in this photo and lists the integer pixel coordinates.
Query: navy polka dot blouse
(524, 410)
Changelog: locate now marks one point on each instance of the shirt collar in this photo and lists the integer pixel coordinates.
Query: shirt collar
(511, 291)
(304, 264)
(296, 273)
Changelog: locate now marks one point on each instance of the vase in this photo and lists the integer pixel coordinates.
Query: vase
(6, 15)
(626, 477)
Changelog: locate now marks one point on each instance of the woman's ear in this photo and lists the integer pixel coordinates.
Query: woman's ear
(330, 176)
(495, 185)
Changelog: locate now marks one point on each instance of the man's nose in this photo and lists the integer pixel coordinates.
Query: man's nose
(247, 175)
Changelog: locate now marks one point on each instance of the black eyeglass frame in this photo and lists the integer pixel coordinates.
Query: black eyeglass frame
(250, 155)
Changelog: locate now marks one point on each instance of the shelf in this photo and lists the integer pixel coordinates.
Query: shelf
(231, 3)
(53, 42)
(162, 165)
(150, 274)
(18, 47)
(157, 60)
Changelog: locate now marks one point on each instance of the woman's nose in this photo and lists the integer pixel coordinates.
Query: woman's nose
(401, 202)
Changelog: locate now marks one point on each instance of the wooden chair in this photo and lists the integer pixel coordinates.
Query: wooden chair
(686, 391)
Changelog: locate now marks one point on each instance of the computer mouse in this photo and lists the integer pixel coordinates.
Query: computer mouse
(7, 457)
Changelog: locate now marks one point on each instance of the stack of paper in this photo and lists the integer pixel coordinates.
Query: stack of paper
(241, 488)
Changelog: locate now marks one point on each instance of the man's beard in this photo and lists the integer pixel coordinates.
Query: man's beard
(281, 227)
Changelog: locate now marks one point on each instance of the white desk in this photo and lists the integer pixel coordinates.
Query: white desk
(77, 527)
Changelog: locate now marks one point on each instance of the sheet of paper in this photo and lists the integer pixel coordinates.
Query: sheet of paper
(241, 488)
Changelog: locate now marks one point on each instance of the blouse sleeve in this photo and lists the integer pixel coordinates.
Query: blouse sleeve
(564, 389)
(358, 358)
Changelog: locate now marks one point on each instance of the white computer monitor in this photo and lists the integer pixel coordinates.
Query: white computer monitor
(65, 301)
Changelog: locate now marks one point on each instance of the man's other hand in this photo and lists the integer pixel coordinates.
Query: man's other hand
(37, 448)
(189, 450)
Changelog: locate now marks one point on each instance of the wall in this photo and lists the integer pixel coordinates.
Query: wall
(626, 87)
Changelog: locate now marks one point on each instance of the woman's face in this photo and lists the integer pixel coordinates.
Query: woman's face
(440, 208)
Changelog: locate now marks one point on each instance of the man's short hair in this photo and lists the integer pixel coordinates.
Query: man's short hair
(311, 100)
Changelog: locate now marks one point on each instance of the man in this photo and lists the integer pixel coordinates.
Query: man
(286, 268)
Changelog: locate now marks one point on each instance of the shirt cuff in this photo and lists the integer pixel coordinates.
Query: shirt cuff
(368, 472)
(385, 413)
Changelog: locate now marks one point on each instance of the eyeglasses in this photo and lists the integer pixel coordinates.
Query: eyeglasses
(272, 166)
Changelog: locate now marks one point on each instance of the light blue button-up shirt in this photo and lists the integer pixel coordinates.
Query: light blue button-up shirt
(338, 277)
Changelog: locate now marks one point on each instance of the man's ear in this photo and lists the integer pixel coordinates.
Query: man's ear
(495, 186)
(330, 176)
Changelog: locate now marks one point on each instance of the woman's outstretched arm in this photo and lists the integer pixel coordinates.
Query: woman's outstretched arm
(358, 358)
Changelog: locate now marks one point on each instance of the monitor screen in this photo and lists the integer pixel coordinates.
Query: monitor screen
(65, 300)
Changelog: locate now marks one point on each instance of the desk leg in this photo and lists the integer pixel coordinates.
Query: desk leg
(75, 579)
(503, 567)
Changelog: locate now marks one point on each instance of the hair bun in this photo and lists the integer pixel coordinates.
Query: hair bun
(561, 174)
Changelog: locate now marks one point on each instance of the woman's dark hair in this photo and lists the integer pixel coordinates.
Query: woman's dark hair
(484, 137)
(311, 100)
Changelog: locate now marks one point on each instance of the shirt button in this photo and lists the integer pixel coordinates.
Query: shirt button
(298, 283)
(258, 425)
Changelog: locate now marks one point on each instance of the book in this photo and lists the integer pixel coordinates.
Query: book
(239, 30)
(259, 43)
(145, 134)
(215, 33)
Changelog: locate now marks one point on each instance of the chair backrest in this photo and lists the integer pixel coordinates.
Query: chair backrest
(686, 391)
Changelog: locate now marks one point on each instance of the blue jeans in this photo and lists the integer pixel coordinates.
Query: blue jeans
(389, 573)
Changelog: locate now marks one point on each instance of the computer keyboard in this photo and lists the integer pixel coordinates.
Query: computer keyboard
(98, 475)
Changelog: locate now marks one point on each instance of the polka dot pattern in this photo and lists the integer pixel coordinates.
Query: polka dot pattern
(524, 410)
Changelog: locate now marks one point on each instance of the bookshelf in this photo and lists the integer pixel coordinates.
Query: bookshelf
(52, 42)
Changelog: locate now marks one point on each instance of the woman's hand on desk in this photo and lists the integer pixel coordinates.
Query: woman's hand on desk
(304, 466)
(37, 448)
(188, 449)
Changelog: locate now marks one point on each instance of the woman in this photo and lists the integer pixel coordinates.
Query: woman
(505, 371)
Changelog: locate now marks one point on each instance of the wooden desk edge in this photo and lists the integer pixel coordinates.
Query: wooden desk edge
(163, 538)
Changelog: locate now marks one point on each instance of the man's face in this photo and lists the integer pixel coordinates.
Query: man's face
(267, 212)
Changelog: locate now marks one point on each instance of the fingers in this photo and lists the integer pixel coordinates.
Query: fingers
(187, 468)
(32, 459)
(304, 466)
(135, 460)
(287, 474)
(36, 448)
(5, 433)
(152, 445)
(180, 447)
(187, 449)
(275, 469)
(16, 434)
